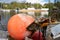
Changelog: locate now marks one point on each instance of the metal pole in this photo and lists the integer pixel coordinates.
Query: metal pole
(1, 5)
(49, 7)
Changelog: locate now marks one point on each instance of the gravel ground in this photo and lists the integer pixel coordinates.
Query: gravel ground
(3, 39)
(3, 34)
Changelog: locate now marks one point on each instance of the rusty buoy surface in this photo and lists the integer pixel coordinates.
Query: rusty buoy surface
(17, 25)
(36, 36)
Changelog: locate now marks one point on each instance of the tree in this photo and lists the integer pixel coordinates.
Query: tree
(47, 5)
(50, 6)
(57, 4)
(14, 5)
(37, 5)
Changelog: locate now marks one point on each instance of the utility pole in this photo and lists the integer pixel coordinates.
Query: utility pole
(1, 5)
(49, 8)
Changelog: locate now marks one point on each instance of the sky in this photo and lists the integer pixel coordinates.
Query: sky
(29, 1)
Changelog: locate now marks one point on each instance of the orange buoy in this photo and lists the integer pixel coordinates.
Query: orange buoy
(17, 26)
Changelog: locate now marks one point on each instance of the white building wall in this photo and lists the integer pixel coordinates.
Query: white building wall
(31, 13)
(43, 13)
